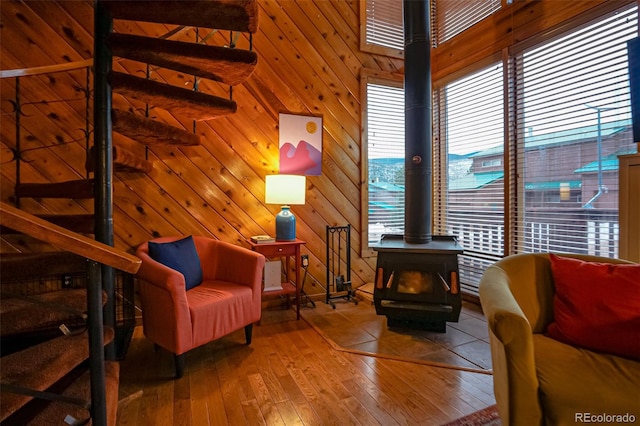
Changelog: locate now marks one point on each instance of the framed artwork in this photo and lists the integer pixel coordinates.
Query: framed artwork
(300, 144)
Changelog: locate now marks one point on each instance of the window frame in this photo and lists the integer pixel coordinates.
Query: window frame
(516, 149)
(441, 163)
(370, 47)
(382, 78)
(437, 27)
(514, 189)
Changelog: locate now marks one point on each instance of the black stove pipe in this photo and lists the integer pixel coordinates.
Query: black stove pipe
(418, 149)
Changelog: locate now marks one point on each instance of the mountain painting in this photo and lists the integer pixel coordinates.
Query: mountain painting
(300, 145)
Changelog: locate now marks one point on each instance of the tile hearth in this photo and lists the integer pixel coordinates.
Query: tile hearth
(357, 327)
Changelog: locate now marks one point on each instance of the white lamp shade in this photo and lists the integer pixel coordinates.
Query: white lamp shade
(285, 189)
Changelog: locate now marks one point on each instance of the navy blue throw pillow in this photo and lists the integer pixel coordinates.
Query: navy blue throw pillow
(180, 255)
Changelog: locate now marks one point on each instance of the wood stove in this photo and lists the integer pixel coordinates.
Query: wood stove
(417, 284)
(417, 273)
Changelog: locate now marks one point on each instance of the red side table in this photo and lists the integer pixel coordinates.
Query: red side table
(281, 249)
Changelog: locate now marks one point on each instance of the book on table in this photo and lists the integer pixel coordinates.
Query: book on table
(262, 239)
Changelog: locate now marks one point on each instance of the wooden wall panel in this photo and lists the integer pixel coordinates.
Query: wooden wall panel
(309, 63)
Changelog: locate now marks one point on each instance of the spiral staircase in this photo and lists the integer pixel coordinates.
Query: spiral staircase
(53, 368)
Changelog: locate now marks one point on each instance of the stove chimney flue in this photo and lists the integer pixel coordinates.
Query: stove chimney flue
(418, 130)
(417, 276)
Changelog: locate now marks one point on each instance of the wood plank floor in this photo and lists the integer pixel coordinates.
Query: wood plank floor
(290, 375)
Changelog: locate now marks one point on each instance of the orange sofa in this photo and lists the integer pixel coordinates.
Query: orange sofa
(227, 299)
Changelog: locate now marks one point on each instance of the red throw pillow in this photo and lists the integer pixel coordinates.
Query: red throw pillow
(596, 306)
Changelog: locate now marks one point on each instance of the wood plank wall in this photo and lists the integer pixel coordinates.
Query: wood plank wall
(309, 63)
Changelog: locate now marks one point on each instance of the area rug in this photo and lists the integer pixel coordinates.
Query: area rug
(485, 417)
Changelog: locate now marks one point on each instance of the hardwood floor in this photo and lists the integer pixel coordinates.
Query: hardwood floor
(290, 375)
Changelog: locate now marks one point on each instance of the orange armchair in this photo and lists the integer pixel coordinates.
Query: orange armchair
(227, 299)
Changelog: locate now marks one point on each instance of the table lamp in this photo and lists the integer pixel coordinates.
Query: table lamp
(285, 190)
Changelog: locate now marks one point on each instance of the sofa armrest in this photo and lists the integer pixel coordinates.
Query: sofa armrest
(511, 339)
(159, 275)
(166, 315)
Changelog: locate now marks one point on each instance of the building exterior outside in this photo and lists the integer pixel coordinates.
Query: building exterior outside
(584, 190)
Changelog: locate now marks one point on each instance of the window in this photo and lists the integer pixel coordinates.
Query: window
(576, 120)
(496, 162)
(454, 16)
(385, 158)
(382, 22)
(383, 27)
(569, 99)
(525, 149)
(471, 200)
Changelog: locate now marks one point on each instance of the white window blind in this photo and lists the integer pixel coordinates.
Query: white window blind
(384, 26)
(454, 16)
(470, 179)
(575, 120)
(570, 117)
(384, 22)
(385, 159)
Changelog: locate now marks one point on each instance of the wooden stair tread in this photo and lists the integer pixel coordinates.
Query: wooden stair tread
(229, 66)
(83, 188)
(20, 267)
(40, 366)
(235, 15)
(55, 412)
(126, 161)
(195, 105)
(150, 132)
(18, 315)
(80, 223)
(123, 160)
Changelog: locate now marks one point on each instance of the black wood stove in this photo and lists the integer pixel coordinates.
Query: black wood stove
(416, 282)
